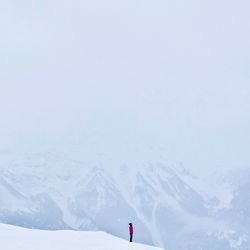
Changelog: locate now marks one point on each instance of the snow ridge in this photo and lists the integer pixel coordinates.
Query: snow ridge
(31, 239)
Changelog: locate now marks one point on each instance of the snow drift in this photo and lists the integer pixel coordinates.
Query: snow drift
(15, 238)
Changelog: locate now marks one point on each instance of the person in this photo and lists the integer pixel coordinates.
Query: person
(131, 232)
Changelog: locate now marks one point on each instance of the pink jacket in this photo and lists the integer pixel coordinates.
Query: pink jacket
(131, 230)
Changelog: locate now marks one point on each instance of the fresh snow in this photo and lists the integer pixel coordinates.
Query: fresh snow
(18, 238)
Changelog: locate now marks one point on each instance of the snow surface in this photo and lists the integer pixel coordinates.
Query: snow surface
(17, 238)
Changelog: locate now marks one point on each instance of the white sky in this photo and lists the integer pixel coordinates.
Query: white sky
(128, 80)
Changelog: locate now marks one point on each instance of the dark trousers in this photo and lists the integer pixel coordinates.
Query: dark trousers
(131, 237)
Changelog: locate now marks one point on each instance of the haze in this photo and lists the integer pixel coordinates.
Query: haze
(130, 81)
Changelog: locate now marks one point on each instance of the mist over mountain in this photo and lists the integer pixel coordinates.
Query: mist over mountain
(133, 80)
(127, 111)
(51, 191)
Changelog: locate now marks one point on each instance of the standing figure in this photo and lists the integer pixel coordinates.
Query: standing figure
(131, 231)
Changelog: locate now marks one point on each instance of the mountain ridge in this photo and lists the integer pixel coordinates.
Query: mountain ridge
(163, 203)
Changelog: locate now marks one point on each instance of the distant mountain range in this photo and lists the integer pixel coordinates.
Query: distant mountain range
(169, 208)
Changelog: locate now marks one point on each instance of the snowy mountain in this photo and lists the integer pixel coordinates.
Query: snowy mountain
(166, 205)
(31, 239)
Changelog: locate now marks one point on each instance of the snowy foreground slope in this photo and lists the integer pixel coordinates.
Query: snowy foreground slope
(17, 238)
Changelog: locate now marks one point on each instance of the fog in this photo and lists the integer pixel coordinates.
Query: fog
(128, 81)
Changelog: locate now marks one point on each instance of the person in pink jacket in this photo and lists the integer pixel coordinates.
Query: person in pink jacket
(131, 231)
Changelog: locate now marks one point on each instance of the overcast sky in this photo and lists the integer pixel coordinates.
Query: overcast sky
(127, 80)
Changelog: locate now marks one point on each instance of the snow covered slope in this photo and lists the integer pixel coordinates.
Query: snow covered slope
(17, 238)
